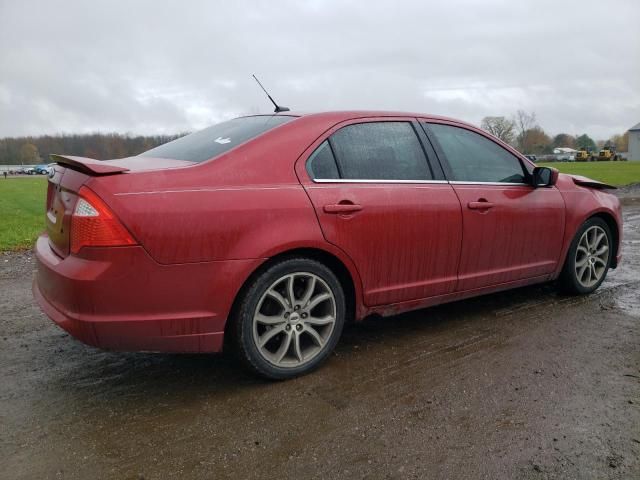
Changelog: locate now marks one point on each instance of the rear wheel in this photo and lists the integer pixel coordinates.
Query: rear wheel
(588, 258)
(289, 319)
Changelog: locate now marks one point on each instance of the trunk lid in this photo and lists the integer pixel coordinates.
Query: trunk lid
(122, 165)
(62, 195)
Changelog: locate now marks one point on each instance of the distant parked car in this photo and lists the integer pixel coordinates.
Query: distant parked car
(42, 169)
(29, 171)
(270, 232)
(533, 158)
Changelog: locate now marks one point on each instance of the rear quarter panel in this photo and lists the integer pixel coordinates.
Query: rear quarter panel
(227, 222)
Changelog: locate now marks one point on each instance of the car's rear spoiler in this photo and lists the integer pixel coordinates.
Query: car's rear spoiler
(88, 165)
(587, 182)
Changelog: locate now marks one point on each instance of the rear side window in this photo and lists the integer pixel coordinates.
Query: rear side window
(217, 139)
(380, 151)
(475, 158)
(322, 164)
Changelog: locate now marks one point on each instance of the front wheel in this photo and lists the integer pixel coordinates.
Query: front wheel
(289, 319)
(588, 259)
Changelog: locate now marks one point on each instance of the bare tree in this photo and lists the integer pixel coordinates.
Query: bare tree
(29, 154)
(621, 142)
(524, 121)
(500, 127)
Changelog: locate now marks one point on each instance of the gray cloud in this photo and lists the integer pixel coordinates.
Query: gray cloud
(165, 67)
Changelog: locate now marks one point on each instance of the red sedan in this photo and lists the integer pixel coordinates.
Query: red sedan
(267, 233)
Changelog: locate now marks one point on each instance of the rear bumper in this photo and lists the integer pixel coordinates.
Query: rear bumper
(121, 299)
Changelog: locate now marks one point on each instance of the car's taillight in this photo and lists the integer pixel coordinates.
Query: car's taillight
(93, 224)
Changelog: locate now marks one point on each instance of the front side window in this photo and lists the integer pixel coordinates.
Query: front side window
(475, 158)
(217, 139)
(380, 151)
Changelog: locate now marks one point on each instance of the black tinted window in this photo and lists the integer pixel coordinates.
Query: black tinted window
(474, 158)
(380, 151)
(217, 139)
(322, 164)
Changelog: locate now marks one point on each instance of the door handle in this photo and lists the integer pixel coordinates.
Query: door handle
(342, 208)
(480, 205)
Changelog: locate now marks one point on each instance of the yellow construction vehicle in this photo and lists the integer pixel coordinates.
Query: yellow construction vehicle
(607, 154)
(584, 155)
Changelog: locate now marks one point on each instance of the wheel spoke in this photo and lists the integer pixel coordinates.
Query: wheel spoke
(269, 319)
(582, 250)
(588, 274)
(311, 286)
(315, 335)
(600, 261)
(602, 250)
(284, 348)
(279, 298)
(290, 292)
(594, 274)
(264, 339)
(599, 237)
(581, 271)
(320, 321)
(594, 235)
(296, 347)
(318, 299)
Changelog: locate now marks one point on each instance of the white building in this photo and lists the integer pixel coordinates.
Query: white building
(561, 150)
(634, 143)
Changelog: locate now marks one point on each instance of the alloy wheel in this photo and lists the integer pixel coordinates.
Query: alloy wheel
(592, 256)
(294, 319)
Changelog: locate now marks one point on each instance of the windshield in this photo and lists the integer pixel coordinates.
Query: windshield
(217, 139)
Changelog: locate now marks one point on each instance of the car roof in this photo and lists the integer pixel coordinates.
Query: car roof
(343, 115)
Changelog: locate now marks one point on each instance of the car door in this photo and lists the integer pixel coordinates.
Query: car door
(511, 230)
(378, 199)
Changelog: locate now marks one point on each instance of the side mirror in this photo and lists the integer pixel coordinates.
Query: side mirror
(544, 177)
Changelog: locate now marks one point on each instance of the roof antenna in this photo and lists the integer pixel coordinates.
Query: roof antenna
(278, 107)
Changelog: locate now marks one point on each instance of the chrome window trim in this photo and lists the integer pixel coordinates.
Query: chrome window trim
(461, 182)
(344, 180)
(452, 182)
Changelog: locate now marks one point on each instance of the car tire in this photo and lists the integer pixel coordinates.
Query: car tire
(288, 319)
(588, 259)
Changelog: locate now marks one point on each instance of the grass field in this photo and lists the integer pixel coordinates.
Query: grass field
(22, 208)
(22, 200)
(613, 173)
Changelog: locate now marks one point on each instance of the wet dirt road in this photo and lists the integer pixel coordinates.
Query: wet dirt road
(524, 384)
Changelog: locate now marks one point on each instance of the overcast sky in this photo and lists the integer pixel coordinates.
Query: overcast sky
(165, 67)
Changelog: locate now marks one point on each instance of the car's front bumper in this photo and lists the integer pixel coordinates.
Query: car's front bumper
(121, 299)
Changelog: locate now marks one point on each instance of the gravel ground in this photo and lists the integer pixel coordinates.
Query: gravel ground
(525, 384)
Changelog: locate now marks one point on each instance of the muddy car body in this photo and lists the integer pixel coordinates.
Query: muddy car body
(272, 231)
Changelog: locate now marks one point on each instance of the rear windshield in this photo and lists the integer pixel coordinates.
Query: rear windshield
(217, 139)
